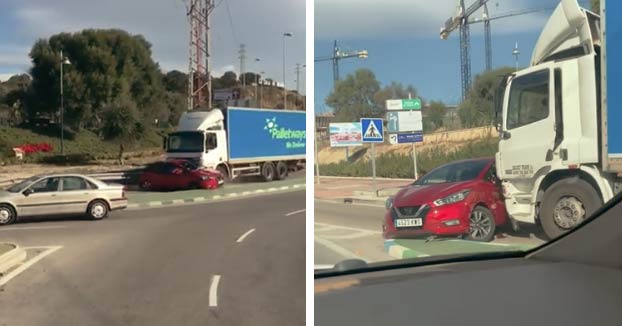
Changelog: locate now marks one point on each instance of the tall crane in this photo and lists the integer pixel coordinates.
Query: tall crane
(462, 20)
(339, 55)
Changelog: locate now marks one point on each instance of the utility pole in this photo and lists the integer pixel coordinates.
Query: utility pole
(63, 61)
(199, 54)
(515, 53)
(297, 78)
(242, 53)
(287, 34)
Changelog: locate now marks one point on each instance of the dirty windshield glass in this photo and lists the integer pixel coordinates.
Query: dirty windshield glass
(186, 142)
(465, 140)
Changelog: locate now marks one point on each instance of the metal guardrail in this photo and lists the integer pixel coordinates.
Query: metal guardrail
(120, 177)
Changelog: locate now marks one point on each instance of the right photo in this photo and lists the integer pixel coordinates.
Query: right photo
(467, 167)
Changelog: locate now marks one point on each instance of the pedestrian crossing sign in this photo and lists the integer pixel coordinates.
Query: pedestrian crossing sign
(372, 130)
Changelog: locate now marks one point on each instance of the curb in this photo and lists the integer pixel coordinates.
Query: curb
(212, 198)
(400, 252)
(12, 258)
(361, 178)
(366, 200)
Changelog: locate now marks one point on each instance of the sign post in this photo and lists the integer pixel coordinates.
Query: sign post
(372, 131)
(406, 124)
(317, 158)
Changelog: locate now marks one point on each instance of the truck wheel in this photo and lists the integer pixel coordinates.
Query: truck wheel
(223, 171)
(267, 171)
(566, 204)
(281, 171)
(482, 225)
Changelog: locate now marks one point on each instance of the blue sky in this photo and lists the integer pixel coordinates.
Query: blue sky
(164, 24)
(402, 37)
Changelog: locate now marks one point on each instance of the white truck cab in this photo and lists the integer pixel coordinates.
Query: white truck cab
(201, 137)
(550, 144)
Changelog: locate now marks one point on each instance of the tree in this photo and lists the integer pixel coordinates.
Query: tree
(435, 114)
(176, 81)
(394, 90)
(353, 97)
(121, 124)
(229, 79)
(106, 66)
(251, 77)
(477, 109)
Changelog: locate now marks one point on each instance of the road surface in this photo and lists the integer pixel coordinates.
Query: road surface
(347, 231)
(239, 262)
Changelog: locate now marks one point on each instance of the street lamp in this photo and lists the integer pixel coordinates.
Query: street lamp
(256, 83)
(287, 34)
(63, 61)
(260, 91)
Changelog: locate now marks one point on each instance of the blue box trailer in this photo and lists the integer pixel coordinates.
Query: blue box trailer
(265, 135)
(611, 29)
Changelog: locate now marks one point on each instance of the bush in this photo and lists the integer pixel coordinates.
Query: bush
(401, 166)
(82, 158)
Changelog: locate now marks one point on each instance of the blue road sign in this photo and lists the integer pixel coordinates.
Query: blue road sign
(372, 130)
(406, 138)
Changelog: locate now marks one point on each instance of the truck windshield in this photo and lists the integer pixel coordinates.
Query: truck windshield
(185, 142)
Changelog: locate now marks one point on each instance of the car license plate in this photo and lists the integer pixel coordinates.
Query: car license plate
(408, 222)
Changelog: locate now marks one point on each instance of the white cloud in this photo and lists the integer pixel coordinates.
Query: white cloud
(365, 19)
(163, 23)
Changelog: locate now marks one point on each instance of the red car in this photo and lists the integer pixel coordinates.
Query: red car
(178, 174)
(459, 198)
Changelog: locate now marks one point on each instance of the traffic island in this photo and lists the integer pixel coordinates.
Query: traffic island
(416, 248)
(11, 255)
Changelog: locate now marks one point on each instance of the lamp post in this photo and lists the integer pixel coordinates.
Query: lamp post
(287, 34)
(260, 91)
(63, 61)
(256, 84)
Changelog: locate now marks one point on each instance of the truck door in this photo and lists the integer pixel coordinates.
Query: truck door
(528, 127)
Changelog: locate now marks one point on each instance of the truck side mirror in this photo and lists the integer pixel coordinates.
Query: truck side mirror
(505, 135)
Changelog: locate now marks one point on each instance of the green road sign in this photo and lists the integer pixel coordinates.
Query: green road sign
(411, 104)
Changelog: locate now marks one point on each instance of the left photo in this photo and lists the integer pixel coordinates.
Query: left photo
(152, 162)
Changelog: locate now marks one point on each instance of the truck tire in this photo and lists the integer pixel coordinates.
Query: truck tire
(281, 170)
(566, 204)
(268, 171)
(223, 171)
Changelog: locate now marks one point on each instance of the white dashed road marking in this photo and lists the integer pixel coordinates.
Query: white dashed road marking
(213, 291)
(295, 212)
(241, 238)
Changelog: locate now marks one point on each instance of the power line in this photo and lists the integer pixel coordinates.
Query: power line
(235, 38)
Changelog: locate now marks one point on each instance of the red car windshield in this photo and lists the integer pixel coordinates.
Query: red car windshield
(454, 172)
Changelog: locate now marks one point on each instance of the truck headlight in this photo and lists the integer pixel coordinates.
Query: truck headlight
(453, 198)
(388, 203)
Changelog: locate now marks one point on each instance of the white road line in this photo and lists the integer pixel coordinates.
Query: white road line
(32, 228)
(6, 278)
(348, 228)
(241, 238)
(213, 291)
(347, 254)
(295, 212)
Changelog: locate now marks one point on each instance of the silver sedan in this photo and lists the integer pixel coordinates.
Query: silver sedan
(60, 194)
